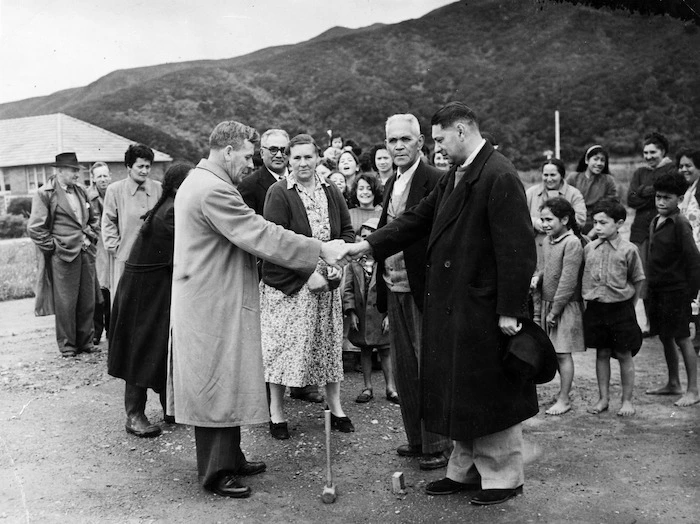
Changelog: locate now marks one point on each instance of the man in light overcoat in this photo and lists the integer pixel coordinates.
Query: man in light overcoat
(215, 370)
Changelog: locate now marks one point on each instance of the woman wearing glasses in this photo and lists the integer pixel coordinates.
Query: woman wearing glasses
(301, 315)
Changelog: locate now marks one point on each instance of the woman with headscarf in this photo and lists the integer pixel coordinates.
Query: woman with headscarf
(140, 321)
(302, 319)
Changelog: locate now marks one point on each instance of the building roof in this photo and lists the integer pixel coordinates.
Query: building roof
(37, 140)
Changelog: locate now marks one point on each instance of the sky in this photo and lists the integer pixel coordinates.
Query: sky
(50, 45)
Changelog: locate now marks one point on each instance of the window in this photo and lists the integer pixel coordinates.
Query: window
(36, 177)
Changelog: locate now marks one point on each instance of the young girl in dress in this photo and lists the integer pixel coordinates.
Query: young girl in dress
(560, 278)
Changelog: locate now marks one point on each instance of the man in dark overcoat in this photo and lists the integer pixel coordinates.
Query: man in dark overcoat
(65, 228)
(253, 189)
(401, 285)
(481, 255)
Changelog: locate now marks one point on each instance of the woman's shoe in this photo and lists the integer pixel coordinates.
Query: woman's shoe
(365, 396)
(392, 396)
(342, 424)
(279, 430)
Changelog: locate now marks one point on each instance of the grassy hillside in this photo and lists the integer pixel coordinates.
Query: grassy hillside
(613, 76)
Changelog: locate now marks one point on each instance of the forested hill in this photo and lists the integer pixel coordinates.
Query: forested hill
(613, 76)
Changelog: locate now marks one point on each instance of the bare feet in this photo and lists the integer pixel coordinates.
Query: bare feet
(627, 409)
(599, 407)
(559, 408)
(668, 389)
(688, 399)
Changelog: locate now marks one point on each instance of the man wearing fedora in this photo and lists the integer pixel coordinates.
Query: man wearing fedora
(62, 224)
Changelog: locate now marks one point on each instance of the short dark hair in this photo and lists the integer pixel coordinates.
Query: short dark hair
(694, 156)
(136, 151)
(610, 207)
(354, 146)
(373, 154)
(558, 164)
(302, 139)
(593, 150)
(451, 113)
(329, 163)
(658, 140)
(560, 208)
(673, 183)
(371, 179)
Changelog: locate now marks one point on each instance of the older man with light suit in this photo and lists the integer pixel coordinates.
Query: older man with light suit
(401, 283)
(65, 228)
(215, 369)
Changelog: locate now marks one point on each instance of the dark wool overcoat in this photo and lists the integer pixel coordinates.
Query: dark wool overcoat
(481, 256)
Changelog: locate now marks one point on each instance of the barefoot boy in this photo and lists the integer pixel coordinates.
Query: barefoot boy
(673, 271)
(612, 278)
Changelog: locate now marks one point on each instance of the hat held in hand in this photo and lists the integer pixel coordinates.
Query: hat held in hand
(530, 355)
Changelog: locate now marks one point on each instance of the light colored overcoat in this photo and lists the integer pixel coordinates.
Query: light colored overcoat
(215, 369)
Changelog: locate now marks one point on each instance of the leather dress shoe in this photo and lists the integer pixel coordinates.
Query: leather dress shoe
(406, 450)
(141, 427)
(229, 486)
(251, 468)
(279, 430)
(68, 354)
(487, 497)
(448, 486)
(432, 461)
(342, 424)
(168, 419)
(306, 394)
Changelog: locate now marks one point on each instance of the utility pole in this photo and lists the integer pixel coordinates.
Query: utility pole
(557, 145)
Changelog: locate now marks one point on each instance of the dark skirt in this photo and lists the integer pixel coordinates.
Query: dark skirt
(139, 327)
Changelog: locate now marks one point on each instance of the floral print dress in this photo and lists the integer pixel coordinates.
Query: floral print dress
(302, 334)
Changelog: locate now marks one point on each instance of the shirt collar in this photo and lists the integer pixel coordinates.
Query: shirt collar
(409, 171)
(292, 181)
(561, 190)
(557, 240)
(471, 157)
(278, 177)
(615, 243)
(672, 217)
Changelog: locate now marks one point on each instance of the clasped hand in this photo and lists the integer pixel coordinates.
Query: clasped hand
(337, 253)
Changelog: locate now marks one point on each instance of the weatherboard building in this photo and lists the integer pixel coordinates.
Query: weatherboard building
(29, 145)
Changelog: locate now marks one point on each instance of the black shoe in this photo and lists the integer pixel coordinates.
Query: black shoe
(448, 486)
(406, 450)
(342, 424)
(251, 468)
(141, 427)
(68, 354)
(229, 486)
(307, 394)
(432, 461)
(168, 419)
(487, 497)
(279, 430)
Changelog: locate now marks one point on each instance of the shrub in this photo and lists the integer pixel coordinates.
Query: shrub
(13, 226)
(20, 206)
(18, 268)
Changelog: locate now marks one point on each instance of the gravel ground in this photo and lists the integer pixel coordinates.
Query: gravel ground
(65, 457)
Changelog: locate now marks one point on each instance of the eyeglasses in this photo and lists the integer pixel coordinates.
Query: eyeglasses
(274, 150)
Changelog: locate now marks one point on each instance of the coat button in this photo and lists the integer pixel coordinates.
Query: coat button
(427, 265)
(449, 310)
(448, 263)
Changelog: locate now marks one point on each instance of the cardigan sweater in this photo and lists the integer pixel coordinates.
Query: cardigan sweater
(283, 206)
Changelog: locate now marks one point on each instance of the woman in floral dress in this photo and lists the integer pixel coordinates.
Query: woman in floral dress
(302, 318)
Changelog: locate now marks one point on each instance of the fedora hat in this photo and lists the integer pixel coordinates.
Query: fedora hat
(69, 160)
(530, 355)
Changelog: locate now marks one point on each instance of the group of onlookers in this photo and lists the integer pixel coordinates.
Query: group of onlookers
(203, 294)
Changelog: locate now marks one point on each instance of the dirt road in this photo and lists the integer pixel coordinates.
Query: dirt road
(65, 457)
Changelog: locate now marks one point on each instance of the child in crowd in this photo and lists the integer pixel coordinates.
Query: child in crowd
(562, 307)
(612, 280)
(673, 278)
(368, 328)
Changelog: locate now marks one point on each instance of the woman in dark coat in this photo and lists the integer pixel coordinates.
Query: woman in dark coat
(139, 327)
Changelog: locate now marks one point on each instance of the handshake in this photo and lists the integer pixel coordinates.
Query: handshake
(338, 253)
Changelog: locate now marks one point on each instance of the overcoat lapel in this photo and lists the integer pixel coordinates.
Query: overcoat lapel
(63, 203)
(455, 197)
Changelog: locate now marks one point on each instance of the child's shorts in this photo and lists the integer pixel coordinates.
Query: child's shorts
(612, 326)
(669, 313)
